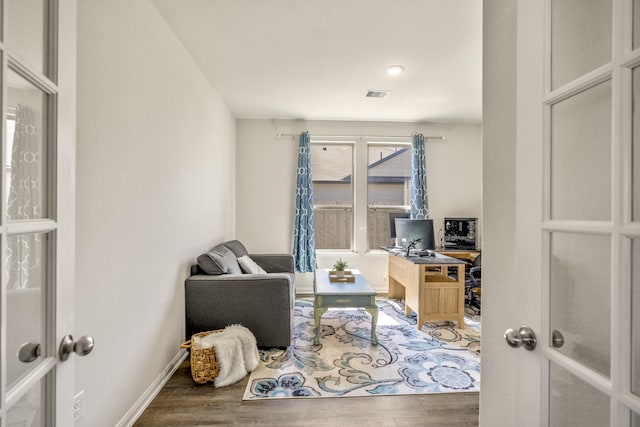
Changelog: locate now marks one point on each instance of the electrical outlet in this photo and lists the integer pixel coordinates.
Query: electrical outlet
(78, 406)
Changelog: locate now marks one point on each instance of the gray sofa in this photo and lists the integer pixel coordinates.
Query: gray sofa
(218, 294)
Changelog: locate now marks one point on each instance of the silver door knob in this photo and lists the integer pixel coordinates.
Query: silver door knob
(82, 347)
(29, 352)
(557, 339)
(523, 337)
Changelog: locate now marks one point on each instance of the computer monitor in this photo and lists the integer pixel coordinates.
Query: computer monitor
(412, 229)
(460, 233)
(392, 222)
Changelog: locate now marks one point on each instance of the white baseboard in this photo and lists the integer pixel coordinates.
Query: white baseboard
(152, 391)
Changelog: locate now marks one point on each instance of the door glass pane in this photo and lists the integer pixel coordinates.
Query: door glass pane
(388, 189)
(572, 402)
(580, 38)
(635, 420)
(26, 293)
(580, 304)
(332, 166)
(581, 155)
(26, 34)
(29, 411)
(635, 316)
(635, 214)
(25, 167)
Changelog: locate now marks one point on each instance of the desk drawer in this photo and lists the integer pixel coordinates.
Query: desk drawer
(345, 300)
(439, 302)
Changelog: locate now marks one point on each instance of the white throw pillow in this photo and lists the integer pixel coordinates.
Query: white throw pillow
(249, 266)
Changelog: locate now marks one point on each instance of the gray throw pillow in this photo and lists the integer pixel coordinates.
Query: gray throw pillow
(249, 266)
(208, 265)
(220, 260)
(236, 247)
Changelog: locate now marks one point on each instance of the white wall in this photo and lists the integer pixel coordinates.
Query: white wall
(155, 188)
(266, 168)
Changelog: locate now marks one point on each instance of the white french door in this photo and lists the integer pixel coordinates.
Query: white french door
(37, 212)
(578, 210)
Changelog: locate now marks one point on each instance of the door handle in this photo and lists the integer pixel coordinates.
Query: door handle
(523, 337)
(29, 352)
(82, 347)
(557, 339)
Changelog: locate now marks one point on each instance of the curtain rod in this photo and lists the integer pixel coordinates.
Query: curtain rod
(280, 135)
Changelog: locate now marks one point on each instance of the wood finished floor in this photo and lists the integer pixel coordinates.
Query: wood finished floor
(184, 403)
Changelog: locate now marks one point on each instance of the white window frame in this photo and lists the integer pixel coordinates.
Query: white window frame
(366, 181)
(359, 188)
(354, 179)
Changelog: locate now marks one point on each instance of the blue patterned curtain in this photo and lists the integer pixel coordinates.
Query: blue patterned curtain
(419, 205)
(304, 242)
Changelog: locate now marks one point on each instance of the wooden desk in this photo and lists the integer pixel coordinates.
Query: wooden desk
(464, 254)
(425, 285)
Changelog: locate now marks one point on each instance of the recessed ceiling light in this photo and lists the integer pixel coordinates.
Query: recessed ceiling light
(394, 70)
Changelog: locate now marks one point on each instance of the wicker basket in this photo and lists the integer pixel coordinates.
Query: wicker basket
(204, 364)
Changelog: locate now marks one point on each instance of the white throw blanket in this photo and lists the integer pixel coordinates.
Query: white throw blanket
(236, 350)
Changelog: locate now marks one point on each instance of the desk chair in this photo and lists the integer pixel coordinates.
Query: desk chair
(473, 284)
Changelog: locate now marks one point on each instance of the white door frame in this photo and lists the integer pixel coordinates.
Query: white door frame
(66, 204)
(528, 238)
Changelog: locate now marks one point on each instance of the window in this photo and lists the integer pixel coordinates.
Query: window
(339, 188)
(388, 189)
(332, 170)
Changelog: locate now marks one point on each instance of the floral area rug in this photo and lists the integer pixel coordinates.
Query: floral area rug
(437, 359)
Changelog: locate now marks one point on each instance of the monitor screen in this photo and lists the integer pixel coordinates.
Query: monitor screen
(460, 232)
(412, 229)
(392, 222)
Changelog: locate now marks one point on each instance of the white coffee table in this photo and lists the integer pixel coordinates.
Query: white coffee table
(356, 294)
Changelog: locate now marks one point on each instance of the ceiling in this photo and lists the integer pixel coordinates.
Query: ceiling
(316, 59)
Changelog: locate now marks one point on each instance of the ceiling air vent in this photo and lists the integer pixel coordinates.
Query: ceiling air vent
(378, 93)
